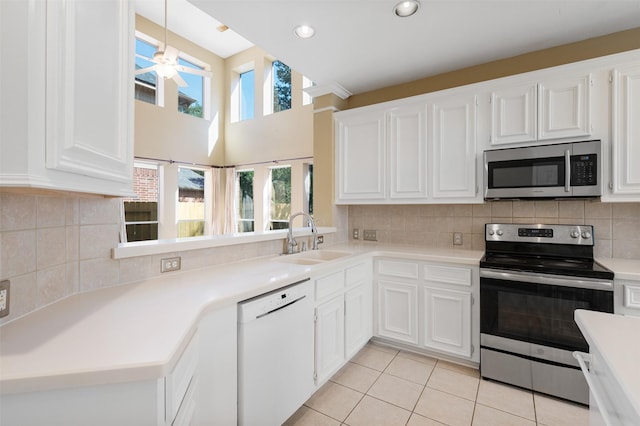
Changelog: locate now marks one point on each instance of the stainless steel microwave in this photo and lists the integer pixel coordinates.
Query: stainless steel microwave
(548, 171)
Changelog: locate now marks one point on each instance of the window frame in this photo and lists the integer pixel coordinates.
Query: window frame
(160, 86)
(206, 84)
(206, 204)
(125, 223)
(235, 94)
(270, 220)
(236, 201)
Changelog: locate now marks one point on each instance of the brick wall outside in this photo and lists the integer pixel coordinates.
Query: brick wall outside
(145, 184)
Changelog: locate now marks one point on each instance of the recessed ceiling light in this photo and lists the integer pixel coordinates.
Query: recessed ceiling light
(406, 8)
(222, 28)
(304, 31)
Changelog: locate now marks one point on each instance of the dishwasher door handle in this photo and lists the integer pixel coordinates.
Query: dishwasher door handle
(281, 307)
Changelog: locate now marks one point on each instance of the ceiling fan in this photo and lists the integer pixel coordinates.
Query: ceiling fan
(166, 61)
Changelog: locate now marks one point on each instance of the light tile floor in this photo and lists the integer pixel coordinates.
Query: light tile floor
(386, 387)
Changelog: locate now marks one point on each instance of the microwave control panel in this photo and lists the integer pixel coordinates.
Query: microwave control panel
(584, 170)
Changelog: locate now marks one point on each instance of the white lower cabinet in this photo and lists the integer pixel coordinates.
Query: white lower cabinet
(428, 305)
(398, 311)
(343, 316)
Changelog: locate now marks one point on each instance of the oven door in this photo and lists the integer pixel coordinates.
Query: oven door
(539, 308)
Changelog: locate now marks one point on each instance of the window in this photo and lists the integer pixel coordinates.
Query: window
(191, 202)
(280, 208)
(244, 201)
(141, 212)
(146, 83)
(308, 188)
(191, 97)
(281, 86)
(247, 90)
(307, 99)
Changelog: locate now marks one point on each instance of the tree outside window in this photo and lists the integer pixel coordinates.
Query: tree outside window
(280, 209)
(191, 97)
(281, 87)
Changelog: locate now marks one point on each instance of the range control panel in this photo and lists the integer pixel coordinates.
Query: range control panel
(539, 233)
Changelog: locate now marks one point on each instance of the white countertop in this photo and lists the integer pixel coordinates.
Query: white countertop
(625, 269)
(137, 331)
(617, 338)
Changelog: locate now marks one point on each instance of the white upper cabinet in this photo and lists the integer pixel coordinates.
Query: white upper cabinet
(564, 108)
(625, 140)
(514, 115)
(453, 143)
(69, 94)
(408, 152)
(361, 156)
(553, 109)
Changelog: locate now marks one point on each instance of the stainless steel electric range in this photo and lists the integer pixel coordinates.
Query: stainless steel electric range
(532, 279)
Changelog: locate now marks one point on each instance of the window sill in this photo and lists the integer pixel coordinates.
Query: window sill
(146, 248)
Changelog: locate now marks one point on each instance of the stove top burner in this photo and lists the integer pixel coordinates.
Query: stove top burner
(555, 266)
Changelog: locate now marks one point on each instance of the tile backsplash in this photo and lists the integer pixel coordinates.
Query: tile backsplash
(617, 225)
(56, 245)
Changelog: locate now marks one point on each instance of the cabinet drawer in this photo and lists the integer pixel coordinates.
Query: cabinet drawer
(632, 296)
(178, 381)
(448, 274)
(329, 284)
(356, 274)
(398, 268)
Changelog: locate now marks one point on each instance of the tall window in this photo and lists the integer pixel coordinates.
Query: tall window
(191, 202)
(247, 90)
(281, 86)
(141, 212)
(191, 97)
(146, 83)
(307, 99)
(280, 208)
(244, 201)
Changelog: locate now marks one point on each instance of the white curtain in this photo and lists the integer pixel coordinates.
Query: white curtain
(229, 201)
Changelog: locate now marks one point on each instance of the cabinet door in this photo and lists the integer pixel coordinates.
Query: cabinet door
(358, 318)
(329, 338)
(397, 311)
(564, 108)
(89, 88)
(453, 161)
(408, 152)
(626, 131)
(360, 157)
(514, 115)
(447, 320)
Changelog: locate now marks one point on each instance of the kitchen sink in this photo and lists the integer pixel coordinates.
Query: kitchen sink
(312, 257)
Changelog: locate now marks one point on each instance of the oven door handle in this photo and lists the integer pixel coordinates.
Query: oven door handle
(529, 277)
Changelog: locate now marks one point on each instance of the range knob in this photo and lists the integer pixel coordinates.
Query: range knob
(575, 234)
(491, 232)
(586, 235)
(499, 232)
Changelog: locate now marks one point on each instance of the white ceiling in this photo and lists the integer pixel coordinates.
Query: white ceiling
(361, 45)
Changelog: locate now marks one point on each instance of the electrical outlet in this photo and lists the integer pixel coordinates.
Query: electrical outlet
(369, 235)
(356, 234)
(457, 238)
(4, 298)
(170, 264)
(320, 239)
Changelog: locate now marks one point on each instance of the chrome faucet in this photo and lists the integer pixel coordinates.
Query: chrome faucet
(291, 242)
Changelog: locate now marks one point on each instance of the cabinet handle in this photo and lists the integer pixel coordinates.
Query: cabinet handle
(567, 171)
(583, 359)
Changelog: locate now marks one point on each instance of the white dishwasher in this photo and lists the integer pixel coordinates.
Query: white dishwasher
(275, 354)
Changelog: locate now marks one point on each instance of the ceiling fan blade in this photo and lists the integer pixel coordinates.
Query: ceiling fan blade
(195, 71)
(179, 81)
(145, 70)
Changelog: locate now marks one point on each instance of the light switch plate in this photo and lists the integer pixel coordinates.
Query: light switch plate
(457, 238)
(369, 235)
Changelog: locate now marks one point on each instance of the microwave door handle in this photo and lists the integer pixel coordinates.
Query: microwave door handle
(567, 170)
